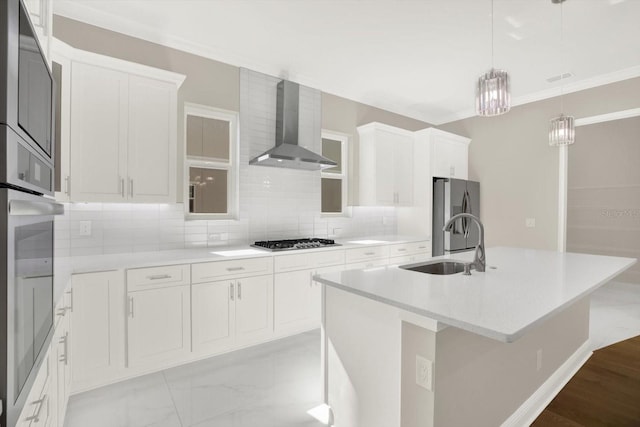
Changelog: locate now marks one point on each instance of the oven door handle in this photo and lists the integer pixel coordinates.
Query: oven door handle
(33, 208)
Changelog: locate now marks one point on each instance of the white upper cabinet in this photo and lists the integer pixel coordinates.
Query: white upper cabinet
(122, 121)
(386, 166)
(449, 153)
(99, 120)
(152, 140)
(435, 154)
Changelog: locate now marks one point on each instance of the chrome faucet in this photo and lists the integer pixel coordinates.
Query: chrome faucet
(479, 261)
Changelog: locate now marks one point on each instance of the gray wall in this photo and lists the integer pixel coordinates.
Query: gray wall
(518, 170)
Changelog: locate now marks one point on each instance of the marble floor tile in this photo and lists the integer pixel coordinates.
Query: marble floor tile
(275, 384)
(270, 385)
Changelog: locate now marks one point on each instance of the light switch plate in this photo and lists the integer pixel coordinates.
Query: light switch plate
(424, 372)
(530, 222)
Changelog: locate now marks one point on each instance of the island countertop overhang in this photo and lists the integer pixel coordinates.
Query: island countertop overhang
(525, 288)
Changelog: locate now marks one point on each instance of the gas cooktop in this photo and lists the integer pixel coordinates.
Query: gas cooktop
(291, 244)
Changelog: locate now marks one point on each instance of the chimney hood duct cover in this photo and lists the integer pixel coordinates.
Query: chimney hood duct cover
(287, 153)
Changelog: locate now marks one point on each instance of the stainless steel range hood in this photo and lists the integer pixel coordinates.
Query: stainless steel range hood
(287, 153)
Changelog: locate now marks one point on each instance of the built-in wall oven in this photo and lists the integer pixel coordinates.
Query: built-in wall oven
(27, 210)
(26, 266)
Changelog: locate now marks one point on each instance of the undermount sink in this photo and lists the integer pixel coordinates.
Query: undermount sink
(438, 267)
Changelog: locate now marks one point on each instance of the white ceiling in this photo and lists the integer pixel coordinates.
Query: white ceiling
(420, 58)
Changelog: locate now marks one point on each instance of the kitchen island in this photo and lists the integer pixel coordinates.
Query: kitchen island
(412, 349)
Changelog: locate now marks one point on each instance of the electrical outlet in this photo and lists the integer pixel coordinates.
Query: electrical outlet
(530, 222)
(539, 359)
(424, 372)
(85, 228)
(214, 236)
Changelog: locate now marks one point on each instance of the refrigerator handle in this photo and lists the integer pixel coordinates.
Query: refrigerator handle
(465, 209)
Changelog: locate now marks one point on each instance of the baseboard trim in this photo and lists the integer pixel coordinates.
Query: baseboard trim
(526, 414)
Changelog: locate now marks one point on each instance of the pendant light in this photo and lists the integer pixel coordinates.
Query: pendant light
(493, 96)
(562, 128)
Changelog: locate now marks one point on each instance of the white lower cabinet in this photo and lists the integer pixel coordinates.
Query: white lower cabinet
(298, 299)
(40, 407)
(254, 307)
(98, 324)
(293, 301)
(228, 312)
(158, 326)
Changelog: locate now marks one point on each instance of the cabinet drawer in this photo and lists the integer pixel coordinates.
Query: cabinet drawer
(374, 263)
(366, 253)
(139, 279)
(409, 259)
(402, 249)
(306, 261)
(328, 258)
(218, 270)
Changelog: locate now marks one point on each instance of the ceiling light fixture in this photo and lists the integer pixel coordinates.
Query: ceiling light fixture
(562, 128)
(493, 95)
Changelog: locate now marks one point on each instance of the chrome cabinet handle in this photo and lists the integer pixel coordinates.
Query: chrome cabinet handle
(369, 253)
(231, 291)
(61, 311)
(131, 307)
(64, 358)
(131, 187)
(70, 307)
(239, 290)
(402, 249)
(67, 185)
(159, 276)
(40, 402)
(122, 186)
(235, 268)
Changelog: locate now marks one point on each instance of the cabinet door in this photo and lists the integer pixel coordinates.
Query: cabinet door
(441, 158)
(213, 311)
(254, 307)
(99, 116)
(159, 326)
(403, 170)
(316, 292)
(62, 344)
(98, 328)
(152, 140)
(385, 174)
(293, 301)
(459, 162)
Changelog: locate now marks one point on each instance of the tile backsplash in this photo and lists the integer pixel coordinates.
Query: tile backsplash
(273, 204)
(126, 228)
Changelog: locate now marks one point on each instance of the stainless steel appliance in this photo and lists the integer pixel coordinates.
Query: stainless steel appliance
(26, 209)
(451, 197)
(288, 153)
(292, 244)
(26, 104)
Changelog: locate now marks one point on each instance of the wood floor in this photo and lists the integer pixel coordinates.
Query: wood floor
(604, 392)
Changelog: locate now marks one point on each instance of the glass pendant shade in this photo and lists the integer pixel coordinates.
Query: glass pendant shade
(562, 131)
(492, 93)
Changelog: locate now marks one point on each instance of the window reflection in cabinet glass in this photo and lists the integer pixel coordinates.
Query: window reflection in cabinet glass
(331, 195)
(332, 149)
(207, 138)
(207, 190)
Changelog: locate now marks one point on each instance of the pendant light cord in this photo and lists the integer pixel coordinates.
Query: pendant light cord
(492, 38)
(562, 60)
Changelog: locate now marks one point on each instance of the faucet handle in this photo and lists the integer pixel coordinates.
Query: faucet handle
(467, 269)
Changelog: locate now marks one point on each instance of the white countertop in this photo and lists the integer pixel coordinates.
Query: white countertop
(527, 287)
(66, 266)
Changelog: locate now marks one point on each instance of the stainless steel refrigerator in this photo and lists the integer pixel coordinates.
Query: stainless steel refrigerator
(451, 197)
